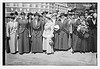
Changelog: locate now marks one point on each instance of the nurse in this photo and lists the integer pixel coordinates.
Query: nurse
(48, 35)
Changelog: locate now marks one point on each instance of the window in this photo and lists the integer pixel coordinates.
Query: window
(42, 6)
(36, 6)
(33, 5)
(11, 4)
(20, 4)
(46, 6)
(15, 4)
(28, 5)
(6, 4)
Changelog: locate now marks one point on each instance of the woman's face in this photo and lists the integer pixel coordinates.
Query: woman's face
(36, 16)
(30, 16)
(62, 17)
(44, 14)
(23, 16)
(82, 17)
(86, 14)
(54, 17)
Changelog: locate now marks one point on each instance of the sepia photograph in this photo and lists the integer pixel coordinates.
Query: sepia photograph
(50, 33)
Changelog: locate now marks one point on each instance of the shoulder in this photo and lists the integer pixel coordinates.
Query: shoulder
(78, 20)
(26, 19)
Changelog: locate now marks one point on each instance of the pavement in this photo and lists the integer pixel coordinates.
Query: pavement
(59, 58)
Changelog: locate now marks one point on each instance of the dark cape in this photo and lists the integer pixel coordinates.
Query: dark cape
(61, 36)
(92, 41)
(76, 41)
(36, 33)
(23, 39)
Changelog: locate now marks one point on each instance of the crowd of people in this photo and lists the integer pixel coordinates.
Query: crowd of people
(50, 32)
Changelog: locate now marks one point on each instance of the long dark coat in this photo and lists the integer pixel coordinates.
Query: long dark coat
(76, 41)
(23, 39)
(92, 42)
(36, 33)
(61, 36)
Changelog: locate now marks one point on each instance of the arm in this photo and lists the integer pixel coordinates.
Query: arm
(18, 29)
(66, 26)
(7, 30)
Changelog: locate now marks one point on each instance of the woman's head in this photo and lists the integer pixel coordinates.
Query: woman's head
(22, 14)
(36, 15)
(30, 15)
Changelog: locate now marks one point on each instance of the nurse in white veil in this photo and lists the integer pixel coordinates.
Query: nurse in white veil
(48, 35)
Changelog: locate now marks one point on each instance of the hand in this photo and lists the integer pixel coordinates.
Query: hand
(29, 35)
(8, 37)
(17, 36)
(44, 37)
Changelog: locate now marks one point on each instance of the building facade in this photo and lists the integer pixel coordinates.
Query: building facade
(34, 7)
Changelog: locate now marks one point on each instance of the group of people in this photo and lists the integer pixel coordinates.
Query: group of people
(50, 32)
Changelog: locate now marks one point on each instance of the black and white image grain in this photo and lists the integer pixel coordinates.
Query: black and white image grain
(50, 33)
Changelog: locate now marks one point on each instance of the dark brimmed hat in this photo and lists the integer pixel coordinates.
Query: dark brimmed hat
(45, 12)
(12, 17)
(22, 13)
(71, 13)
(91, 11)
(62, 14)
(7, 17)
(81, 14)
(36, 14)
(11, 14)
(65, 15)
(29, 14)
(16, 13)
